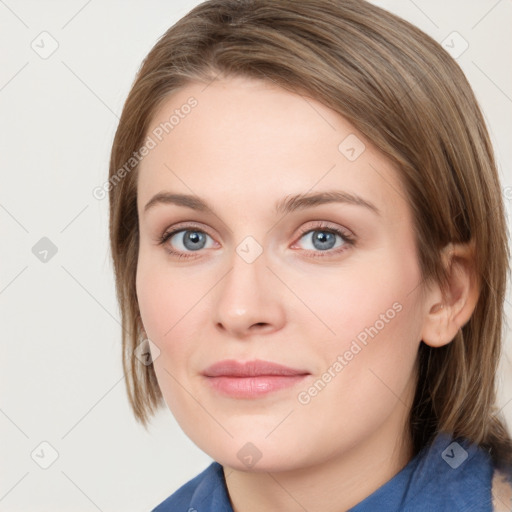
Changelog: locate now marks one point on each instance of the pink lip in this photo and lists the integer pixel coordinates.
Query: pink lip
(251, 379)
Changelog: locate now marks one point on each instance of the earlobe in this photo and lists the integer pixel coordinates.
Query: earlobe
(449, 309)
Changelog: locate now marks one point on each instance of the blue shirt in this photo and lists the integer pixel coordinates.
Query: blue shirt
(447, 475)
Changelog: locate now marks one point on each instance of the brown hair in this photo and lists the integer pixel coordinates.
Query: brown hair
(400, 89)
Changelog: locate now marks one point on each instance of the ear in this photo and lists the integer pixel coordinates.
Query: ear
(448, 310)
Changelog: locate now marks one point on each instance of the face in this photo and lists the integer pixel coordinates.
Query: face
(287, 329)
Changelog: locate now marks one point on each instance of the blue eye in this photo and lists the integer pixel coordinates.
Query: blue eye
(322, 239)
(190, 239)
(325, 241)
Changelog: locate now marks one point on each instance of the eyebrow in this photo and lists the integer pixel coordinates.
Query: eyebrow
(287, 205)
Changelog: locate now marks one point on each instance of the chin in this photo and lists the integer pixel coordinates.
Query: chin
(256, 456)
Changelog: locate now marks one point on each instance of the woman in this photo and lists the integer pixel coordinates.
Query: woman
(310, 254)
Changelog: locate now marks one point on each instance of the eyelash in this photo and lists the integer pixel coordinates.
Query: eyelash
(347, 239)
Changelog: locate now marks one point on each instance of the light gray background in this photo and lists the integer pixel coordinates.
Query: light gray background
(61, 377)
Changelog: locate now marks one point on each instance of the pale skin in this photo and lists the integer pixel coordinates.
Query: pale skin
(245, 146)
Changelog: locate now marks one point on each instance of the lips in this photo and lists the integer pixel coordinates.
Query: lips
(251, 379)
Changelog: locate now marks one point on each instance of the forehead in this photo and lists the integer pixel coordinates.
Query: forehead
(248, 142)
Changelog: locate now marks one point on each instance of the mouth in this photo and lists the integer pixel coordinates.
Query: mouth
(251, 379)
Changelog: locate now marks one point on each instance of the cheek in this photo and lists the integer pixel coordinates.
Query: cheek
(162, 299)
(155, 303)
(368, 367)
(164, 302)
(377, 321)
(374, 290)
(173, 306)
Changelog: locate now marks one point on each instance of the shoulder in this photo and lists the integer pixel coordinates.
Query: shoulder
(207, 488)
(502, 490)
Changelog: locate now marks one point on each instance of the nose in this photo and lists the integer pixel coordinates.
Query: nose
(249, 299)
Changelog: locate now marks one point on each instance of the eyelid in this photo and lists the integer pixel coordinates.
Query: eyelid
(349, 238)
(327, 226)
(183, 226)
(190, 225)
